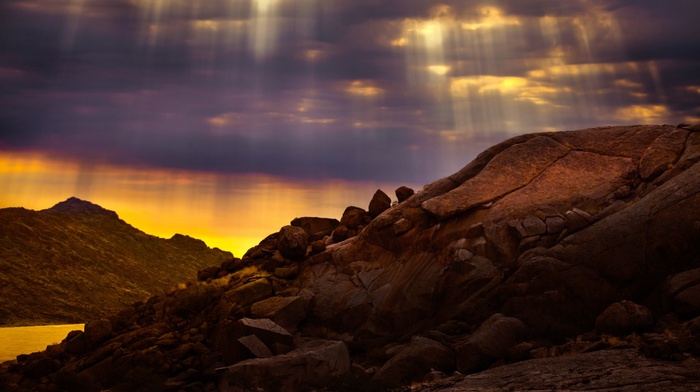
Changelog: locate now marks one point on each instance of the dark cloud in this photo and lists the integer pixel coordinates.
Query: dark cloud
(362, 89)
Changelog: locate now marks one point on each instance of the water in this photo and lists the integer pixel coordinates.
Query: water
(26, 340)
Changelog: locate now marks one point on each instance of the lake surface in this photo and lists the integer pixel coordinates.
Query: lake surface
(26, 340)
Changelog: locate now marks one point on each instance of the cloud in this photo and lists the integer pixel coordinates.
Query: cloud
(361, 89)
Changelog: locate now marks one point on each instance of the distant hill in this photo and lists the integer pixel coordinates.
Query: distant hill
(77, 261)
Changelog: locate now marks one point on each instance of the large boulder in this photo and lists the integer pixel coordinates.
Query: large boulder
(413, 361)
(403, 193)
(489, 343)
(380, 202)
(97, 331)
(292, 242)
(624, 317)
(682, 293)
(312, 225)
(312, 364)
(354, 217)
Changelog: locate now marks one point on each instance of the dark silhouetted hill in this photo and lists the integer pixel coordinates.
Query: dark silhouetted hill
(77, 261)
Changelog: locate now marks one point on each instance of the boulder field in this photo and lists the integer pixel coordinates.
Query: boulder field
(549, 252)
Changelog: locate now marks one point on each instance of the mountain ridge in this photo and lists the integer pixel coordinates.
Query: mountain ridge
(77, 261)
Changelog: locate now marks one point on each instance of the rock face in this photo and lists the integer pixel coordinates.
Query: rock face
(611, 370)
(536, 249)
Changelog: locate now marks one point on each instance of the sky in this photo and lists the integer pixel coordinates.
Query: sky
(225, 119)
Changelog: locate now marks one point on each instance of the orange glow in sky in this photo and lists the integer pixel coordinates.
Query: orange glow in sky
(230, 212)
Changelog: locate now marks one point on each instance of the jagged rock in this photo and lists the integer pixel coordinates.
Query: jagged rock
(292, 242)
(380, 202)
(312, 225)
(413, 361)
(255, 346)
(267, 330)
(314, 363)
(489, 343)
(287, 312)
(624, 317)
(354, 217)
(403, 193)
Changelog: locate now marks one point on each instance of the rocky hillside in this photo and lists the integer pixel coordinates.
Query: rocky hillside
(548, 252)
(78, 261)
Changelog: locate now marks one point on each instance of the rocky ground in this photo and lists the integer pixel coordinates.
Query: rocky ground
(78, 261)
(555, 261)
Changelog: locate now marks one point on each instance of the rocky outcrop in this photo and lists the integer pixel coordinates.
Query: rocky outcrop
(547, 249)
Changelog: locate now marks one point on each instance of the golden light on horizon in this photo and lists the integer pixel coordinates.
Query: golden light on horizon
(231, 212)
